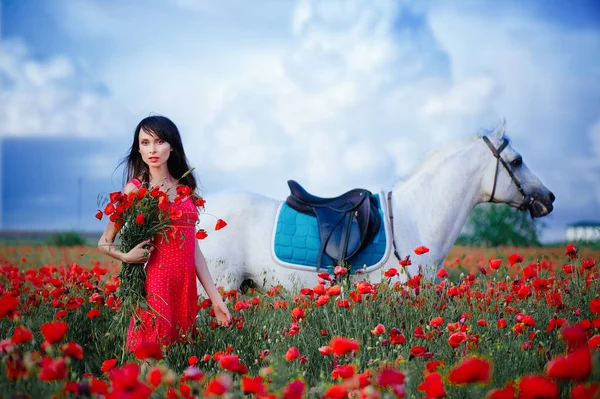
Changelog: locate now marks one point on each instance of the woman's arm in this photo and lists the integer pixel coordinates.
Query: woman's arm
(221, 311)
(106, 243)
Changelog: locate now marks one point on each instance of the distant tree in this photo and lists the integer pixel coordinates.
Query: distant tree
(67, 239)
(499, 224)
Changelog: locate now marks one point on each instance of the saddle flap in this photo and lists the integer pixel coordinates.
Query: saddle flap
(342, 244)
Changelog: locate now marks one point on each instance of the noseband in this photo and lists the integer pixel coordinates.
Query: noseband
(528, 200)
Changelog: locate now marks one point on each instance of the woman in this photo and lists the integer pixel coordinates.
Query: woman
(157, 158)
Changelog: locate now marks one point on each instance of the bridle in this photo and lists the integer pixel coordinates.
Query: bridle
(528, 200)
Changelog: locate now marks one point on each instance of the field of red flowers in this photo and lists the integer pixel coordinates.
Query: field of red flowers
(498, 323)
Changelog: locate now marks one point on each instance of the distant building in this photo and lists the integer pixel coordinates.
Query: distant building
(583, 231)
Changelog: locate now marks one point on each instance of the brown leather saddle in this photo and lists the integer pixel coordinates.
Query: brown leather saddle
(346, 223)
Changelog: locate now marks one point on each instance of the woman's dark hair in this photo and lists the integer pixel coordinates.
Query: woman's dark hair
(164, 129)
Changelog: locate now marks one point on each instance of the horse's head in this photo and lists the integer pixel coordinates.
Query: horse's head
(508, 180)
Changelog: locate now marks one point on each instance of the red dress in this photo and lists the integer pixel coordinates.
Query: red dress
(170, 284)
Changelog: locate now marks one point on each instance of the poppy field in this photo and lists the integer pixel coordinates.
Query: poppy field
(496, 323)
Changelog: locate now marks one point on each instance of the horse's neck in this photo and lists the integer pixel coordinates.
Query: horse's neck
(432, 206)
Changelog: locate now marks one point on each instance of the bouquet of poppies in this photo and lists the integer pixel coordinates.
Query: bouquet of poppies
(137, 216)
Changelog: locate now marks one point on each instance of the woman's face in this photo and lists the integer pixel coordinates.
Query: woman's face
(155, 151)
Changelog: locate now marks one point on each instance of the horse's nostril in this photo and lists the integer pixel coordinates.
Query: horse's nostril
(552, 197)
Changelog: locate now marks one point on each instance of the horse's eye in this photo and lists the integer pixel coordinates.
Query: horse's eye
(517, 162)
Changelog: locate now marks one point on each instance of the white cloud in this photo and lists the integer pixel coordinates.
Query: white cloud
(50, 97)
(334, 94)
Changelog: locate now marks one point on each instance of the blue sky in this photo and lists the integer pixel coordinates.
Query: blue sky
(262, 90)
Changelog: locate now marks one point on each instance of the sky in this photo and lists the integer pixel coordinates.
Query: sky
(333, 94)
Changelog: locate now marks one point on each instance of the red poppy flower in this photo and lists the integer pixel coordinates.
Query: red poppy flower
(324, 276)
(53, 369)
(322, 300)
(524, 292)
(576, 365)
(294, 390)
(107, 365)
(175, 214)
(21, 334)
(442, 273)
(126, 383)
(109, 209)
(421, 250)
(433, 365)
(389, 377)
(342, 346)
(201, 234)
(193, 360)
(298, 313)
(92, 314)
(515, 258)
(98, 386)
(54, 332)
(343, 372)
(568, 269)
(218, 386)
(154, 376)
(508, 392)
(436, 322)
(482, 322)
(326, 350)
(379, 329)
(538, 387)
(340, 271)
(220, 224)
(432, 386)
(336, 392)
(456, 339)
(571, 251)
(292, 354)
(495, 264)
(149, 350)
(417, 351)
(391, 272)
(396, 337)
(471, 370)
(99, 215)
(8, 306)
(588, 263)
(334, 290)
(139, 219)
(501, 323)
(574, 336)
(200, 202)
(581, 391)
(253, 385)
(594, 342)
(595, 306)
(232, 363)
(72, 349)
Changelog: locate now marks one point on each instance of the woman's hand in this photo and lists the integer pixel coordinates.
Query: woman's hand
(139, 253)
(222, 314)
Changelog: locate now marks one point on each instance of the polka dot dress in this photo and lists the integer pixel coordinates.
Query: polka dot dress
(170, 284)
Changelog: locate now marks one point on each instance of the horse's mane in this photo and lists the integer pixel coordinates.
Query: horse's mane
(446, 152)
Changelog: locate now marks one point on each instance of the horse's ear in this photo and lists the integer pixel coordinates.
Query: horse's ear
(499, 131)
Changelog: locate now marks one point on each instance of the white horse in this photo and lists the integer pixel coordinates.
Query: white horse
(429, 208)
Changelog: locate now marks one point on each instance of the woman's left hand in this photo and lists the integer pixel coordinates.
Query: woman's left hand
(222, 314)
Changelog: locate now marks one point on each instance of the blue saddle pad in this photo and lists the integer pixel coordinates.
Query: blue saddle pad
(296, 241)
